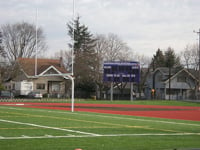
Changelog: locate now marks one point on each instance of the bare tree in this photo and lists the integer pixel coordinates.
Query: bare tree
(190, 56)
(112, 48)
(19, 40)
(66, 56)
(144, 60)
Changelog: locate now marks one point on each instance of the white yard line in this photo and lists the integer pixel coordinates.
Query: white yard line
(106, 135)
(47, 127)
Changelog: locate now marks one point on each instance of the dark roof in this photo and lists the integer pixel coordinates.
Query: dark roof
(28, 65)
(165, 70)
(175, 71)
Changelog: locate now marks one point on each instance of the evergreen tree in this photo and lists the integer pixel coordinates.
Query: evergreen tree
(85, 58)
(83, 39)
(171, 60)
(168, 59)
(158, 60)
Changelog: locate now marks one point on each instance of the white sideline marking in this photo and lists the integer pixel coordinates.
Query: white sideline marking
(20, 104)
(144, 120)
(47, 135)
(25, 136)
(47, 127)
(106, 135)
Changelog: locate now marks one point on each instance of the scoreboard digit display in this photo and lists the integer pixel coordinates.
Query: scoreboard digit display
(121, 71)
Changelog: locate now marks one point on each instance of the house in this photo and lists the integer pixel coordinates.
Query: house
(174, 84)
(39, 76)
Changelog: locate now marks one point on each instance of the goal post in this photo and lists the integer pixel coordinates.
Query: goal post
(66, 76)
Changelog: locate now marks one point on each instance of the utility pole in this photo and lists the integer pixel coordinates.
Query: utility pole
(1, 46)
(1, 39)
(198, 32)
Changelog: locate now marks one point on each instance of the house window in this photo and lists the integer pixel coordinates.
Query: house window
(40, 86)
(181, 79)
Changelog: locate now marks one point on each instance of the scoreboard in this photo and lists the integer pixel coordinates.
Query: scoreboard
(121, 71)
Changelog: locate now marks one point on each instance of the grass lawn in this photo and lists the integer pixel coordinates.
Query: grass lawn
(43, 129)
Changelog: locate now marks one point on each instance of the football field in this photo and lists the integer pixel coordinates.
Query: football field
(37, 128)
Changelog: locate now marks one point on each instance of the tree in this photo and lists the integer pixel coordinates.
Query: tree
(85, 57)
(190, 56)
(168, 59)
(1, 39)
(83, 39)
(111, 48)
(158, 60)
(19, 40)
(66, 58)
(171, 61)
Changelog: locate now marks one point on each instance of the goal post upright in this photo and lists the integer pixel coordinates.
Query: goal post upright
(72, 97)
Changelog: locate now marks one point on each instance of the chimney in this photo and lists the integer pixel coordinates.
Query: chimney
(61, 62)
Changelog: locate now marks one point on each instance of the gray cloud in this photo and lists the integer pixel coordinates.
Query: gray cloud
(145, 25)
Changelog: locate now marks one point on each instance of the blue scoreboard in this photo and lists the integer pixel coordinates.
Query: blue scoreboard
(121, 71)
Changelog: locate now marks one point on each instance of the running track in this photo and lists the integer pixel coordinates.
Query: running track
(169, 112)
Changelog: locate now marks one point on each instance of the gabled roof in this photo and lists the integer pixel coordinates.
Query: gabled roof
(177, 72)
(182, 70)
(174, 72)
(165, 70)
(28, 65)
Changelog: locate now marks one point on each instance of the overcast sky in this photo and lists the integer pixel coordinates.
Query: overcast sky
(145, 25)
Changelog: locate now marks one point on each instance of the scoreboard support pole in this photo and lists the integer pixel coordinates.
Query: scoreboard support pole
(131, 92)
(111, 91)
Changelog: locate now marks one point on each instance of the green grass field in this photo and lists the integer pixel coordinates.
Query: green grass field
(40, 129)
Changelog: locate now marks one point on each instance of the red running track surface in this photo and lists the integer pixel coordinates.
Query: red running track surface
(169, 112)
